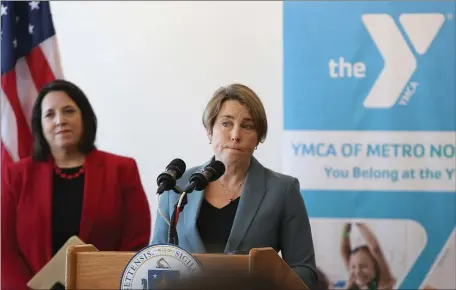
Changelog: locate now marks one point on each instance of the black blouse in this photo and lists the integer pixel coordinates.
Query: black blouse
(67, 200)
(214, 225)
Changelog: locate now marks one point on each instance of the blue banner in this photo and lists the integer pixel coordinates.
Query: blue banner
(370, 131)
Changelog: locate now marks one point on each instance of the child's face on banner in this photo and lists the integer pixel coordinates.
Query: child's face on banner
(362, 268)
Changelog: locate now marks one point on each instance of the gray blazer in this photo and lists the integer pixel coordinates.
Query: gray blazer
(271, 213)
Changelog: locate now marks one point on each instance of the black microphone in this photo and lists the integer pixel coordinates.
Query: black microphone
(199, 180)
(174, 171)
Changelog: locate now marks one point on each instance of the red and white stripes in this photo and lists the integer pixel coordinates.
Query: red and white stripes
(19, 90)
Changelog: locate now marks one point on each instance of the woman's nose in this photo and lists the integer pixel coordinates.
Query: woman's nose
(235, 134)
(59, 119)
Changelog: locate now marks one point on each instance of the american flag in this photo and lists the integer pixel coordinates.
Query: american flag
(30, 59)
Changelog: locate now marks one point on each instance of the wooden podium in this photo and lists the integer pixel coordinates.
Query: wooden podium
(88, 268)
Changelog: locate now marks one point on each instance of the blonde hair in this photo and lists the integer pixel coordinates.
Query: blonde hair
(246, 97)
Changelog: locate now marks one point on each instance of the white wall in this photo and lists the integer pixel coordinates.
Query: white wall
(149, 69)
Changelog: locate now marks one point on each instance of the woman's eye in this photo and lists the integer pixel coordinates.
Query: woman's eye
(69, 111)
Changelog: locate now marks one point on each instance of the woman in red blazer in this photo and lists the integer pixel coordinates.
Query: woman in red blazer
(67, 188)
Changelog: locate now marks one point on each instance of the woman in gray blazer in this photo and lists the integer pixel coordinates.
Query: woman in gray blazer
(250, 206)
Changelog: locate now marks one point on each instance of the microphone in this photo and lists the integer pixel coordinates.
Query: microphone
(167, 180)
(197, 181)
(211, 172)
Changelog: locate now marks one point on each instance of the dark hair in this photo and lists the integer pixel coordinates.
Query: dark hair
(322, 280)
(41, 149)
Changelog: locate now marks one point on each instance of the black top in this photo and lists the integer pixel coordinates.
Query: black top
(66, 206)
(214, 225)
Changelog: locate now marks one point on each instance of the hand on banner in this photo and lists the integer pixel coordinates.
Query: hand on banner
(347, 229)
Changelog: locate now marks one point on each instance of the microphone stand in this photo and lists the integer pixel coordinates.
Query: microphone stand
(173, 237)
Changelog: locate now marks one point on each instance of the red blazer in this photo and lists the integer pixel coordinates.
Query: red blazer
(115, 213)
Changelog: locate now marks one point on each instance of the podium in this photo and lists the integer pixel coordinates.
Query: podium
(88, 268)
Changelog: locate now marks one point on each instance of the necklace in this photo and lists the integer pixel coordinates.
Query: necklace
(59, 172)
(233, 193)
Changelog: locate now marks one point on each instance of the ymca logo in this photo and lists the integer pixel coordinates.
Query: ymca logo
(399, 60)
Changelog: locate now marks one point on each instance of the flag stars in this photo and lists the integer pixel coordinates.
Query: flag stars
(30, 28)
(34, 5)
(4, 10)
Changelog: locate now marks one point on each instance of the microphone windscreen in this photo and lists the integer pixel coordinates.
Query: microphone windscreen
(219, 169)
(179, 166)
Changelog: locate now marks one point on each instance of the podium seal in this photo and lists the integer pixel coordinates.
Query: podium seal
(154, 267)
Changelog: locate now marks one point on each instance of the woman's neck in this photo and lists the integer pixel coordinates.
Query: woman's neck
(68, 158)
(235, 173)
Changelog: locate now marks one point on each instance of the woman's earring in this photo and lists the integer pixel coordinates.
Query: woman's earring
(256, 147)
(210, 141)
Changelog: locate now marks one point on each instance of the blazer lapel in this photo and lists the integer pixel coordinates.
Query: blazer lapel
(191, 212)
(251, 197)
(43, 183)
(93, 189)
